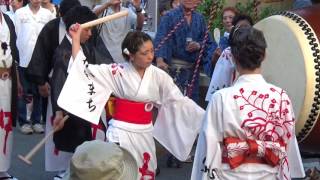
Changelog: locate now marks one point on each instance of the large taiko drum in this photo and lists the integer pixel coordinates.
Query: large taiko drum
(292, 63)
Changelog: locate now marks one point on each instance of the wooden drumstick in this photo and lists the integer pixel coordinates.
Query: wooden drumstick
(35, 149)
(104, 19)
(216, 35)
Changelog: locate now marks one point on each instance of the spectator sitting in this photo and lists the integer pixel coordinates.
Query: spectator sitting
(101, 160)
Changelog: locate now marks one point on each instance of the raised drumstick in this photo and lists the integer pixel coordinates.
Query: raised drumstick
(216, 35)
(104, 19)
(35, 149)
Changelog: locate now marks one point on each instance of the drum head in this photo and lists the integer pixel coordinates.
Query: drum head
(290, 64)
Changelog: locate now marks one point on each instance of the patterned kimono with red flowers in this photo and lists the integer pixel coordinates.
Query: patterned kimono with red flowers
(88, 87)
(248, 133)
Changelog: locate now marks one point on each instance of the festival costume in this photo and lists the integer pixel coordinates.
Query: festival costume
(248, 133)
(40, 70)
(173, 50)
(76, 130)
(179, 118)
(9, 57)
(223, 75)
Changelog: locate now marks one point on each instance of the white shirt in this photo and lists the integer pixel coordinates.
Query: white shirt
(28, 27)
(114, 32)
(12, 15)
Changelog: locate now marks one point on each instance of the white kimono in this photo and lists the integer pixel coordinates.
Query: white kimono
(251, 109)
(223, 74)
(6, 133)
(178, 120)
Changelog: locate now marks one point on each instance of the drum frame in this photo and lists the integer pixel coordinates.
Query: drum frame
(314, 114)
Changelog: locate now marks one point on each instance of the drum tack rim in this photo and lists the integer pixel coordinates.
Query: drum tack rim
(311, 37)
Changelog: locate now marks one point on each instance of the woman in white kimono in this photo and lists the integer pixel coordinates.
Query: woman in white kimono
(137, 86)
(10, 89)
(248, 130)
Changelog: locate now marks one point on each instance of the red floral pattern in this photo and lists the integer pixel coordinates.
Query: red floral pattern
(144, 171)
(268, 117)
(6, 126)
(116, 68)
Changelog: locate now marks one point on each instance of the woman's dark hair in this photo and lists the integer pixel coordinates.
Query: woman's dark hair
(248, 47)
(25, 2)
(78, 14)
(66, 5)
(132, 42)
(242, 17)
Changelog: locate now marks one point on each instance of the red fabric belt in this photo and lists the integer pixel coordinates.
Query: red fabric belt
(132, 112)
(249, 155)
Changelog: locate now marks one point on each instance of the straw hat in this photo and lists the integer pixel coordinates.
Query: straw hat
(98, 160)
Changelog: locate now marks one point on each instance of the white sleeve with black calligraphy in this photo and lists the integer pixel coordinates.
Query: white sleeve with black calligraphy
(208, 155)
(86, 89)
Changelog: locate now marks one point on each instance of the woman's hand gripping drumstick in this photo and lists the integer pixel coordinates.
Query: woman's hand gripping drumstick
(36, 148)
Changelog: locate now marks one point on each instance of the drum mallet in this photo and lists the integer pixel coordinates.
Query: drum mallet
(36, 148)
(104, 19)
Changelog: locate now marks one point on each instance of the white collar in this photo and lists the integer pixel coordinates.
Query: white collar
(255, 78)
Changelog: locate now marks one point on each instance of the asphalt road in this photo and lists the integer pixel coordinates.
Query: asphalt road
(23, 144)
(22, 171)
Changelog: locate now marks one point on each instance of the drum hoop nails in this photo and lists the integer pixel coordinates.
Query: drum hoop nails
(310, 36)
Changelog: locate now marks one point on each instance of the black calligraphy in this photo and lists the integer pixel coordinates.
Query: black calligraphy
(210, 172)
(91, 92)
(91, 89)
(91, 106)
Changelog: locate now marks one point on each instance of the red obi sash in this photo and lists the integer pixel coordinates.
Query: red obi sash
(237, 152)
(132, 112)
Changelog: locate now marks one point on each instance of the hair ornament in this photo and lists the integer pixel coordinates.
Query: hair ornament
(126, 51)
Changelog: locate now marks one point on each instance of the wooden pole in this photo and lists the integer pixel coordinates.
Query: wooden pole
(36, 148)
(105, 19)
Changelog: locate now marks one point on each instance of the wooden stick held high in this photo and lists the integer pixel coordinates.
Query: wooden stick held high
(105, 19)
(36, 148)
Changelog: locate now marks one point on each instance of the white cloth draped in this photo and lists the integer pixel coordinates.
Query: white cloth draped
(223, 74)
